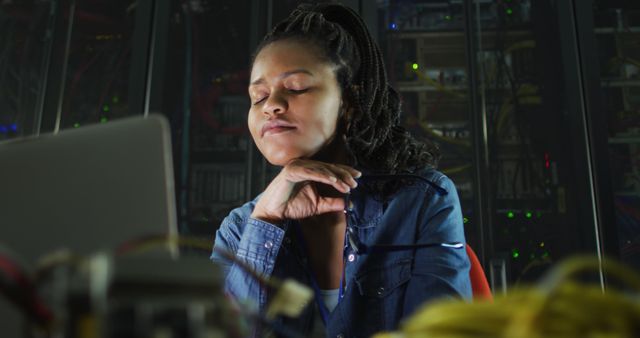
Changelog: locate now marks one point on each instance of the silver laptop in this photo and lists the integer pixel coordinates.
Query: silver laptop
(87, 189)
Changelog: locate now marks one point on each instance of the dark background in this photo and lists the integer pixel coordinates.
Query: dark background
(535, 105)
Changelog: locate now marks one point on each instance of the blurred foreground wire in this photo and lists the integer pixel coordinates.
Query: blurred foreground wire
(560, 306)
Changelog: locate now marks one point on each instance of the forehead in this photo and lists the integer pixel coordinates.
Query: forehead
(285, 55)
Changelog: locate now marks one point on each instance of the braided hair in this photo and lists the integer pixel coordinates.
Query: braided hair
(374, 138)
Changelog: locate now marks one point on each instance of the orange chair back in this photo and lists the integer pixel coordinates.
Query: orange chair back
(479, 283)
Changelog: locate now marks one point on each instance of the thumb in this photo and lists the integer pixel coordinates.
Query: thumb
(329, 204)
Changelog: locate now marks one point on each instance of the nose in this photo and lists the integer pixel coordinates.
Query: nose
(275, 104)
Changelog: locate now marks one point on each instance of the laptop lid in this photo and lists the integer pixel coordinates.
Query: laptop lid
(87, 189)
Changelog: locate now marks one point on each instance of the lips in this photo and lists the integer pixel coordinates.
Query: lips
(276, 127)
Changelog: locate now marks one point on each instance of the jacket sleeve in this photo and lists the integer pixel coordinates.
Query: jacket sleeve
(254, 242)
(439, 271)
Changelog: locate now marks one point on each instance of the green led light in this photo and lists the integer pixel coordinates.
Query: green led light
(105, 108)
(414, 66)
(545, 254)
(542, 244)
(528, 214)
(76, 125)
(447, 17)
(515, 254)
(103, 119)
(509, 11)
(465, 220)
(510, 214)
(115, 99)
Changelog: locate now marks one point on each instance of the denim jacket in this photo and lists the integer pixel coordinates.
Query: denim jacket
(382, 287)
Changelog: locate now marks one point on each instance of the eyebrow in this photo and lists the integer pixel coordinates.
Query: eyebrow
(284, 75)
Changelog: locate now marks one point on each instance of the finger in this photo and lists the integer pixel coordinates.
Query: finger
(329, 204)
(354, 172)
(344, 174)
(342, 184)
(317, 173)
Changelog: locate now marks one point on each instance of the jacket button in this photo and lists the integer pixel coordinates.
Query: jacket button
(351, 257)
(380, 291)
(340, 335)
(268, 244)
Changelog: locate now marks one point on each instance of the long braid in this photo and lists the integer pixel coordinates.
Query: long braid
(374, 136)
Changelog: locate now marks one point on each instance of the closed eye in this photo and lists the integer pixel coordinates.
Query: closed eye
(298, 91)
(292, 91)
(260, 100)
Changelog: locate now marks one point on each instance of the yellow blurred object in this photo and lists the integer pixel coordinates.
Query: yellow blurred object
(290, 300)
(559, 307)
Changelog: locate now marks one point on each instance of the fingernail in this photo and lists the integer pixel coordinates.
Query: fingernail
(333, 178)
(358, 175)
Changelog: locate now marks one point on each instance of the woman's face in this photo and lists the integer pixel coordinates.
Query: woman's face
(295, 102)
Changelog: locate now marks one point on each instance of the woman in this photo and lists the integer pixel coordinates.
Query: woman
(358, 211)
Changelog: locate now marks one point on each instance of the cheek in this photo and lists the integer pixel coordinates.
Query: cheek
(326, 120)
(325, 129)
(252, 123)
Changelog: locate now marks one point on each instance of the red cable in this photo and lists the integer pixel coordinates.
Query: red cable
(30, 300)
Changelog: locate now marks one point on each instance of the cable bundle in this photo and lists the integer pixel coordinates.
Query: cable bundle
(16, 285)
(21, 289)
(559, 307)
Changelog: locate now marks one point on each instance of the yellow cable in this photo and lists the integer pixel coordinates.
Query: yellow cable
(527, 95)
(432, 133)
(455, 170)
(440, 87)
(625, 59)
(520, 45)
(559, 307)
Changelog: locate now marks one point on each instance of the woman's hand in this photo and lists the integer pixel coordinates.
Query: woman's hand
(297, 192)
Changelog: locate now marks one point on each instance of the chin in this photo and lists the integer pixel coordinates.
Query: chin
(281, 158)
(281, 161)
